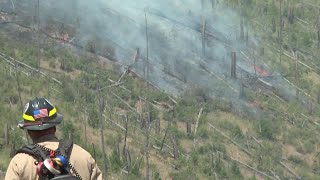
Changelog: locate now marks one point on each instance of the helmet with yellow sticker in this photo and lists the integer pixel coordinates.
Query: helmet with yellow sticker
(39, 114)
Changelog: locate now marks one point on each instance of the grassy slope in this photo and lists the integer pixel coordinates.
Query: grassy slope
(284, 136)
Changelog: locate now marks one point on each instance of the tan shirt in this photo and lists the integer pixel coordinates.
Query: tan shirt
(22, 165)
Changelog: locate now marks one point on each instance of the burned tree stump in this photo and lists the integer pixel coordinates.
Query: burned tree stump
(157, 126)
(188, 126)
(142, 122)
(310, 108)
(127, 158)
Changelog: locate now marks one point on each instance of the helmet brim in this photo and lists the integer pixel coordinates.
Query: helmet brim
(46, 125)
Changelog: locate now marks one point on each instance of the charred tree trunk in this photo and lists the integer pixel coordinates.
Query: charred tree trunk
(233, 64)
(125, 137)
(128, 160)
(175, 147)
(290, 14)
(203, 36)
(296, 73)
(157, 128)
(85, 132)
(85, 119)
(241, 30)
(49, 85)
(101, 108)
(19, 88)
(147, 148)
(281, 26)
(311, 108)
(165, 135)
(13, 150)
(38, 34)
(274, 27)
(319, 38)
(94, 151)
(188, 126)
(117, 147)
(62, 65)
(241, 92)
(247, 37)
(6, 135)
(142, 122)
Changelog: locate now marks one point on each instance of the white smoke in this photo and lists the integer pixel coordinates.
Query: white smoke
(175, 38)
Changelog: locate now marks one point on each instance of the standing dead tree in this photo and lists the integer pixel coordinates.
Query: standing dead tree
(6, 135)
(125, 136)
(296, 73)
(175, 146)
(18, 83)
(318, 37)
(147, 147)
(241, 29)
(280, 31)
(85, 126)
(203, 32)
(290, 14)
(127, 159)
(148, 119)
(188, 126)
(38, 33)
(241, 91)
(233, 65)
(165, 135)
(157, 126)
(101, 101)
(196, 127)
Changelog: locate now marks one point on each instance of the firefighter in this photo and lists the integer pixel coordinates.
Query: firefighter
(40, 118)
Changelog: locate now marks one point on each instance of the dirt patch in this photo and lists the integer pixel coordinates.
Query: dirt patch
(187, 145)
(237, 153)
(289, 150)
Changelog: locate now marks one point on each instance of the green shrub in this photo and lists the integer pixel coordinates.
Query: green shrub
(296, 159)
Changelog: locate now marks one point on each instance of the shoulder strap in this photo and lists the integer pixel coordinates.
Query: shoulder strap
(34, 151)
(65, 147)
